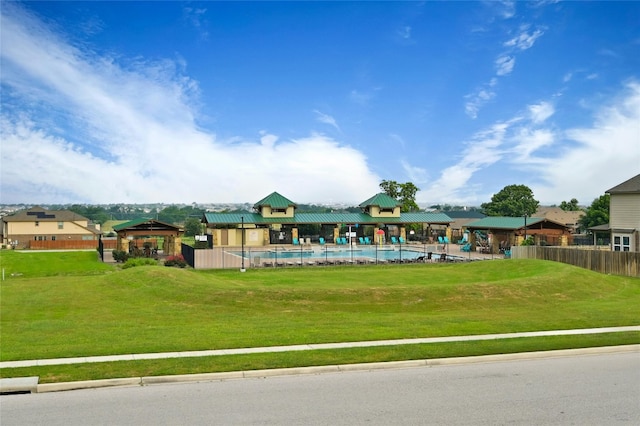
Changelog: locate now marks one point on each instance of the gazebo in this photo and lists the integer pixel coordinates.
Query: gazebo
(137, 228)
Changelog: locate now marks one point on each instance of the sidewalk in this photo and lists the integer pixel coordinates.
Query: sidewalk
(309, 347)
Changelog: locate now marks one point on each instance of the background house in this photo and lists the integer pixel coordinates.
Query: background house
(624, 215)
(38, 228)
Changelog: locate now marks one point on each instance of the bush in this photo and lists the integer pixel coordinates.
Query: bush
(120, 255)
(176, 261)
(139, 261)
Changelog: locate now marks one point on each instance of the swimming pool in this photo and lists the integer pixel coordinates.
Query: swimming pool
(371, 253)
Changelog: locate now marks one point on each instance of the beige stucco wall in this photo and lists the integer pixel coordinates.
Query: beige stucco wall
(267, 212)
(47, 228)
(374, 211)
(254, 237)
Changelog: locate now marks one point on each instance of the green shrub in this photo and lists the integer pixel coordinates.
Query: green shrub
(139, 261)
(201, 245)
(120, 255)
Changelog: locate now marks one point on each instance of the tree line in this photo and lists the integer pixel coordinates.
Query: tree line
(512, 200)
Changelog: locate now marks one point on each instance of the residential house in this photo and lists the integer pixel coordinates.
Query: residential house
(42, 229)
(624, 215)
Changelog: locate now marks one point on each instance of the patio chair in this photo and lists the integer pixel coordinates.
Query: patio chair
(394, 240)
(466, 248)
(367, 240)
(321, 241)
(402, 241)
(361, 239)
(296, 242)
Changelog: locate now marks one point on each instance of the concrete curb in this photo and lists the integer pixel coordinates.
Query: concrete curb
(277, 372)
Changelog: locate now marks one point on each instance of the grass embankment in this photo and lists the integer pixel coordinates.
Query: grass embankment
(64, 307)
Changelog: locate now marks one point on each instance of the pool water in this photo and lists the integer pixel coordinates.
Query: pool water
(371, 253)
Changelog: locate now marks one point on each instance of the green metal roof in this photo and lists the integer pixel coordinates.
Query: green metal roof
(307, 218)
(129, 224)
(275, 200)
(503, 222)
(381, 200)
(137, 222)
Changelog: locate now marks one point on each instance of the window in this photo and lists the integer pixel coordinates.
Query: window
(60, 225)
(37, 223)
(621, 243)
(53, 238)
(278, 210)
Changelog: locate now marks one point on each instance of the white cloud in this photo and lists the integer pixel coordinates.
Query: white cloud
(540, 112)
(524, 40)
(597, 157)
(504, 65)
(477, 100)
(484, 150)
(105, 132)
(405, 32)
(326, 119)
(580, 162)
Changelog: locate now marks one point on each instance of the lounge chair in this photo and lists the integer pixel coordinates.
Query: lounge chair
(296, 242)
(466, 248)
(394, 240)
(321, 241)
(367, 240)
(440, 239)
(361, 239)
(402, 241)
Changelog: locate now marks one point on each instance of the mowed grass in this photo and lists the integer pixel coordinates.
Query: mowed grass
(106, 311)
(64, 304)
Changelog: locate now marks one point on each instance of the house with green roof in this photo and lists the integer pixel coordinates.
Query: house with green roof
(502, 232)
(275, 221)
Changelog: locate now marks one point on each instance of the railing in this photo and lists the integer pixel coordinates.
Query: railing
(306, 255)
(603, 261)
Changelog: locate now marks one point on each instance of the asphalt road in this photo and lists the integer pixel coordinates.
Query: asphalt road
(580, 390)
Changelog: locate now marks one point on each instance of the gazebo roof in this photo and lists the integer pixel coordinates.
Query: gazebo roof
(144, 226)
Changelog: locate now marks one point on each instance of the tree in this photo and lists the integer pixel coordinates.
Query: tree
(512, 200)
(570, 206)
(597, 213)
(405, 193)
(192, 226)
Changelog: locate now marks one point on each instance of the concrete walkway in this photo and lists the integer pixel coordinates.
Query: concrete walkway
(310, 347)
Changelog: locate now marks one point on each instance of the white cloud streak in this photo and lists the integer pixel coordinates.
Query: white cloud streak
(326, 119)
(577, 163)
(76, 127)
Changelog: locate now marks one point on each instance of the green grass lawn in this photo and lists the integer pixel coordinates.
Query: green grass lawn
(70, 304)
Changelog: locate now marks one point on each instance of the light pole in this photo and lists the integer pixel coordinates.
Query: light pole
(525, 228)
(242, 239)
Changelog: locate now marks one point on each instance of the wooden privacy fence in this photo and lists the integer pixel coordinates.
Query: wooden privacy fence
(63, 245)
(606, 262)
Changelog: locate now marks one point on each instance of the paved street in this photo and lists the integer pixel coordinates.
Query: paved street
(582, 390)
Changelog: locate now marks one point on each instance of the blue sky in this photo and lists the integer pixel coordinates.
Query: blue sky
(180, 102)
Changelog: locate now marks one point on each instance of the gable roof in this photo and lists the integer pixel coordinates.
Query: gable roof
(503, 222)
(381, 200)
(39, 214)
(328, 218)
(275, 201)
(145, 224)
(561, 216)
(465, 214)
(631, 186)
